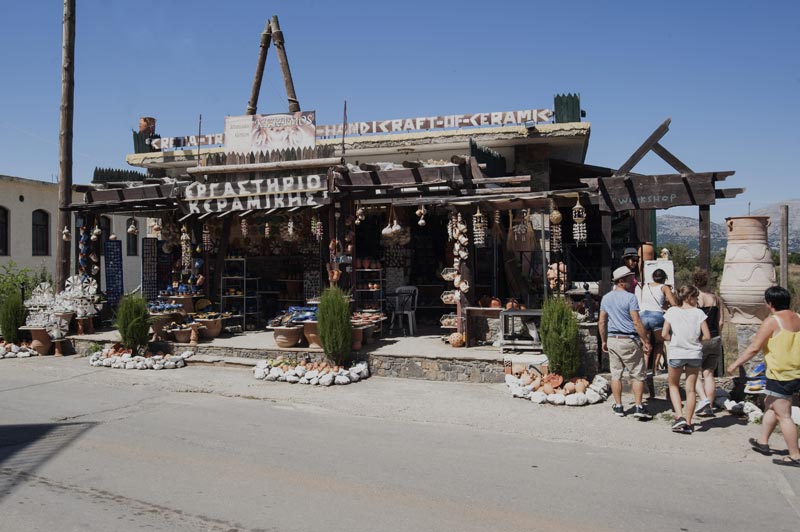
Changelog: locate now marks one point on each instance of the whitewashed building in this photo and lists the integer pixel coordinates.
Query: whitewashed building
(29, 232)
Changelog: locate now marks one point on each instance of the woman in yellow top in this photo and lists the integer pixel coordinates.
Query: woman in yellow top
(779, 338)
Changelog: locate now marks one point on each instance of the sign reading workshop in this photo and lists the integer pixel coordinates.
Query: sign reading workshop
(254, 194)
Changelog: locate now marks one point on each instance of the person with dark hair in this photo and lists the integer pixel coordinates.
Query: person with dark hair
(630, 259)
(684, 326)
(709, 303)
(653, 297)
(779, 338)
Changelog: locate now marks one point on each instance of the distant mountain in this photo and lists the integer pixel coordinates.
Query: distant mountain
(774, 231)
(684, 230)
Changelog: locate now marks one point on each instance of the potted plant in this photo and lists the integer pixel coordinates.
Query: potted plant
(335, 329)
(559, 330)
(133, 323)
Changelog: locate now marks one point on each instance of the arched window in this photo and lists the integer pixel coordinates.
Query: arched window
(131, 240)
(40, 223)
(104, 223)
(3, 231)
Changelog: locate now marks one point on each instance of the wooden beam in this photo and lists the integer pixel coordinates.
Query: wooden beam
(728, 193)
(670, 159)
(644, 148)
(605, 260)
(410, 176)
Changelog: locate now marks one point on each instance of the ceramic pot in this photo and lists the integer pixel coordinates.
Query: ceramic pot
(40, 341)
(357, 338)
(288, 336)
(311, 332)
(212, 328)
(748, 269)
(182, 336)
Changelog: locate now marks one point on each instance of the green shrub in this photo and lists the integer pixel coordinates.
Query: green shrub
(12, 317)
(559, 332)
(133, 322)
(335, 329)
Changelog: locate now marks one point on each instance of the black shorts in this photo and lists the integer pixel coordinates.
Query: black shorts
(783, 389)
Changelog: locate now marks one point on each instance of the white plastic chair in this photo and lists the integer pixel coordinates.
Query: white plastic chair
(405, 304)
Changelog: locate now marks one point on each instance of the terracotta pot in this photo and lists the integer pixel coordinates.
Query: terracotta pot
(311, 332)
(496, 303)
(212, 328)
(40, 341)
(182, 336)
(369, 335)
(357, 264)
(357, 337)
(648, 251)
(748, 269)
(288, 336)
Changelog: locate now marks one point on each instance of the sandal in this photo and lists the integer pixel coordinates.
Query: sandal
(761, 448)
(786, 461)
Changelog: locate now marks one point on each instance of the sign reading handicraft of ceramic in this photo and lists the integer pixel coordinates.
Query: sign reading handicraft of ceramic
(270, 133)
(253, 194)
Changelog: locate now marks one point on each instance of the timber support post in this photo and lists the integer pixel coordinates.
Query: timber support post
(704, 258)
(277, 38)
(63, 248)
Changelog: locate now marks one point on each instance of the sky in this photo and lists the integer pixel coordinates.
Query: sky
(726, 73)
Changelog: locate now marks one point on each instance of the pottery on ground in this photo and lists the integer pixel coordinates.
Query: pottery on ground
(748, 269)
(311, 332)
(40, 340)
(288, 336)
(182, 336)
(212, 328)
(357, 337)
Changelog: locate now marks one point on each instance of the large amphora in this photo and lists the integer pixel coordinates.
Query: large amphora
(748, 269)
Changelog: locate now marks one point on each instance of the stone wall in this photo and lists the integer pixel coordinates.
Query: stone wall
(589, 345)
(437, 369)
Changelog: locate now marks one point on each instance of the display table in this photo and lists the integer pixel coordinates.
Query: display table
(40, 340)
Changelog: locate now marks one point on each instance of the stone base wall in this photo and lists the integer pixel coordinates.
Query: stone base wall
(589, 345)
(437, 369)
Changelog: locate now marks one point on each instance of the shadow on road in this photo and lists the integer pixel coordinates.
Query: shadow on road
(25, 448)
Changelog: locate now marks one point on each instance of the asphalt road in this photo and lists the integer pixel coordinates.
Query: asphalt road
(209, 448)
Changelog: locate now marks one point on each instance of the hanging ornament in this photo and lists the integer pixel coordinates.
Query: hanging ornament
(66, 236)
(97, 231)
(451, 228)
(579, 221)
(555, 229)
(245, 228)
(421, 212)
(156, 229)
(290, 227)
(112, 236)
(360, 215)
(266, 230)
(206, 237)
(186, 248)
(497, 217)
(479, 228)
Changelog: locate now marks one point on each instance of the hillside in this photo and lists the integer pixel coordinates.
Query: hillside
(774, 231)
(684, 230)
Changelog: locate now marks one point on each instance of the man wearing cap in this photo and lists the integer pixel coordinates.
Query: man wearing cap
(630, 258)
(625, 340)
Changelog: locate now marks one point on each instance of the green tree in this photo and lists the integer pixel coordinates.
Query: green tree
(559, 330)
(12, 317)
(133, 322)
(684, 260)
(335, 328)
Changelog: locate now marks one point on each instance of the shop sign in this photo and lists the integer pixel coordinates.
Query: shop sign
(269, 133)
(243, 126)
(257, 194)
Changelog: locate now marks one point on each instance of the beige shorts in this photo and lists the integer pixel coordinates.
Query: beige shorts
(625, 353)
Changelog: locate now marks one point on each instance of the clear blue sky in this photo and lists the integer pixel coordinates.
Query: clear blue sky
(727, 73)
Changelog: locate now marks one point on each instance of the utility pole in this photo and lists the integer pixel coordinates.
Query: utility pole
(784, 250)
(63, 248)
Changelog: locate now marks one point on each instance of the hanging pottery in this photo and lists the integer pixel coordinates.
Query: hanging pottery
(421, 212)
(112, 236)
(66, 236)
(555, 230)
(479, 228)
(97, 231)
(266, 230)
(186, 248)
(579, 221)
(132, 229)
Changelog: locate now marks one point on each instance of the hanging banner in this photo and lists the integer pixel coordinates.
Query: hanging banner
(149, 269)
(256, 194)
(112, 251)
(270, 133)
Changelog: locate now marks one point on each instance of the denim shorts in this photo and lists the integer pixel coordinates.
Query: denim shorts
(782, 389)
(652, 320)
(688, 362)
